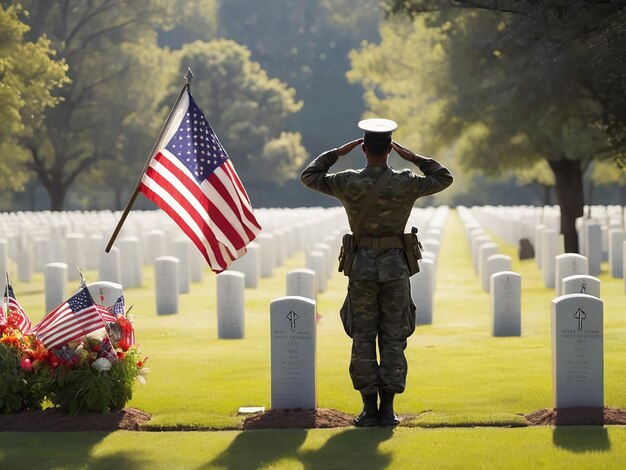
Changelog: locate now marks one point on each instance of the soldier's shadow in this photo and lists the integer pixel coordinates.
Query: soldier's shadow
(357, 446)
(581, 439)
(267, 446)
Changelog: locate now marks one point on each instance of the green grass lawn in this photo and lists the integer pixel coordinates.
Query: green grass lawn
(459, 376)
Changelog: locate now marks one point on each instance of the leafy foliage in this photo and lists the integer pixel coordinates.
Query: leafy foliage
(29, 74)
(85, 389)
(245, 107)
(23, 370)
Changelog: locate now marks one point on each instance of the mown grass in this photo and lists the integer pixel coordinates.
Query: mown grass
(459, 377)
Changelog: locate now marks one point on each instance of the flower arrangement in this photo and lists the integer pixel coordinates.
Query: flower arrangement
(97, 374)
(23, 368)
(89, 374)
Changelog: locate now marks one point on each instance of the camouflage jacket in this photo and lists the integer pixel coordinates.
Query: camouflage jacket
(388, 214)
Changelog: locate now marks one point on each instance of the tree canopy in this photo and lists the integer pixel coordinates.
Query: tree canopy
(30, 73)
(504, 87)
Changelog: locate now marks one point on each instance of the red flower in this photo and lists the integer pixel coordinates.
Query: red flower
(123, 344)
(26, 364)
(120, 355)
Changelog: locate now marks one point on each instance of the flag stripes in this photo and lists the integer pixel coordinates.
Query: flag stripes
(192, 179)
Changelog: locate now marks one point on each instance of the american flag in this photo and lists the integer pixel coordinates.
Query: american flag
(192, 179)
(13, 306)
(118, 307)
(76, 317)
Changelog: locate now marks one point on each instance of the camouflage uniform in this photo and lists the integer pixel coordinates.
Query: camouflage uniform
(379, 301)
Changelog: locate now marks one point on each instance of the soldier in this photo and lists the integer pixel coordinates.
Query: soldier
(378, 303)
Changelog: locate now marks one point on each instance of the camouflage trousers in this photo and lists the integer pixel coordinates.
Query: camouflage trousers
(384, 312)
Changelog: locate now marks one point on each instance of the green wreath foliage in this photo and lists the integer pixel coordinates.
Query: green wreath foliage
(20, 389)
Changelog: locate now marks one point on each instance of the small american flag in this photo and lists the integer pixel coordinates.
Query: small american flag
(118, 307)
(76, 317)
(14, 307)
(192, 179)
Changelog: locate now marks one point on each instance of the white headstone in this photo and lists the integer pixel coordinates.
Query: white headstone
(94, 245)
(551, 246)
(293, 338)
(182, 248)
(316, 261)
(110, 265)
(593, 247)
(155, 245)
(538, 238)
(24, 264)
(74, 254)
(166, 284)
(577, 351)
(422, 287)
(494, 264)
(131, 261)
(55, 284)
(301, 282)
(106, 293)
(249, 265)
(581, 284)
(267, 249)
(476, 242)
(485, 251)
(230, 305)
(506, 295)
(616, 252)
(568, 264)
(197, 265)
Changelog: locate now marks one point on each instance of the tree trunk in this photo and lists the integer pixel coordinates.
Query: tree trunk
(622, 195)
(57, 197)
(569, 194)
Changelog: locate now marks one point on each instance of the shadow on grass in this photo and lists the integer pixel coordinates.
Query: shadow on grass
(582, 439)
(51, 450)
(357, 446)
(255, 449)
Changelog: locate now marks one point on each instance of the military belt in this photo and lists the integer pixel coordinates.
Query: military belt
(394, 241)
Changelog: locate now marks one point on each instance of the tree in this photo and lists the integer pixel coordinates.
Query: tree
(104, 43)
(247, 110)
(30, 74)
(517, 87)
(305, 44)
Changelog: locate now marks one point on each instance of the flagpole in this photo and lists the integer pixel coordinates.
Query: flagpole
(188, 78)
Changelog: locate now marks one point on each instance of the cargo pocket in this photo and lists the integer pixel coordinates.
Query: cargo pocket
(408, 317)
(346, 314)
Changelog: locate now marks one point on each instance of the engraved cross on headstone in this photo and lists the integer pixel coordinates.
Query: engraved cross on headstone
(292, 317)
(580, 315)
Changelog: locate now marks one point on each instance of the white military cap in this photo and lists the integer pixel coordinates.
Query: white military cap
(378, 125)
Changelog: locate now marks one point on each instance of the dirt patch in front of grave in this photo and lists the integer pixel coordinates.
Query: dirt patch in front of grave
(51, 419)
(576, 416)
(299, 419)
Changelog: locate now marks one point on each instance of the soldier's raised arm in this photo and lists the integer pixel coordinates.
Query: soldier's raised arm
(436, 176)
(315, 175)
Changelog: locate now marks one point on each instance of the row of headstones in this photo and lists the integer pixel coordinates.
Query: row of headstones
(496, 277)
(76, 238)
(577, 352)
(306, 282)
(547, 244)
(576, 318)
(601, 232)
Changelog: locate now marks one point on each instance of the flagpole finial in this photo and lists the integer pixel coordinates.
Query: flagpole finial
(82, 279)
(189, 76)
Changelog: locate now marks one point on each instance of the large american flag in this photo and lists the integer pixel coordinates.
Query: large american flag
(14, 307)
(192, 179)
(74, 318)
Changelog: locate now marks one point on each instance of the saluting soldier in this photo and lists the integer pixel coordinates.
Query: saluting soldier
(378, 202)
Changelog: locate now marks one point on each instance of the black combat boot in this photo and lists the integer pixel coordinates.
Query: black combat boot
(386, 415)
(369, 415)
